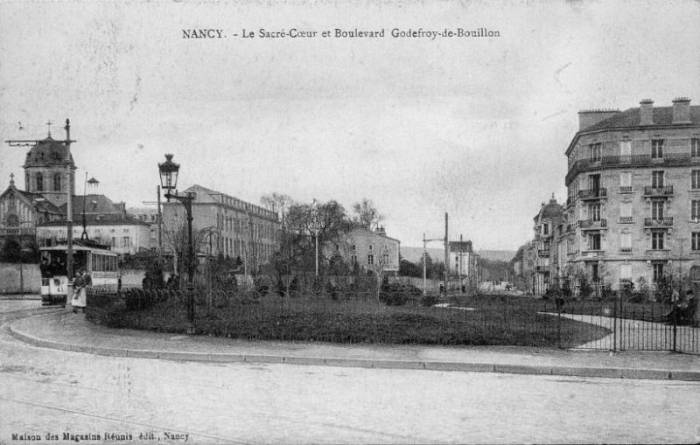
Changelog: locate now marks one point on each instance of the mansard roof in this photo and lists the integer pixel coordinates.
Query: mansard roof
(631, 118)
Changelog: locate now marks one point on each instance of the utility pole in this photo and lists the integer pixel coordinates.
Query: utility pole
(447, 255)
(461, 260)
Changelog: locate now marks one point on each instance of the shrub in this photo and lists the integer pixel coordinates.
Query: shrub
(429, 300)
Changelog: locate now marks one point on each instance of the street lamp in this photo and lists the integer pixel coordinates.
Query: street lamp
(168, 181)
(315, 226)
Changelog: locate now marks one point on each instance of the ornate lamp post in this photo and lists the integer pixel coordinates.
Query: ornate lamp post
(315, 226)
(168, 181)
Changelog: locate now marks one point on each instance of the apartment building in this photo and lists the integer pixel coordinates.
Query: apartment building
(232, 227)
(633, 206)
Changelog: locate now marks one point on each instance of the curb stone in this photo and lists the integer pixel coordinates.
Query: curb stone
(617, 373)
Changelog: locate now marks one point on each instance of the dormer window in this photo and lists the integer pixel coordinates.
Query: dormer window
(39, 182)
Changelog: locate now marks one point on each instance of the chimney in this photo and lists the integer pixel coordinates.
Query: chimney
(646, 112)
(681, 110)
(588, 118)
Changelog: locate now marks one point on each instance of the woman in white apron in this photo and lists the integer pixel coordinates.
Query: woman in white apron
(79, 299)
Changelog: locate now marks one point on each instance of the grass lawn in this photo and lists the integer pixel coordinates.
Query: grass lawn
(495, 322)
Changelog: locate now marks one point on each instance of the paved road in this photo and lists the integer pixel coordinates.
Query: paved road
(48, 391)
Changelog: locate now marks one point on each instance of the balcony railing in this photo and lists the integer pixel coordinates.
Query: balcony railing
(658, 191)
(595, 193)
(543, 252)
(626, 219)
(669, 159)
(589, 224)
(626, 189)
(658, 222)
(625, 250)
(542, 268)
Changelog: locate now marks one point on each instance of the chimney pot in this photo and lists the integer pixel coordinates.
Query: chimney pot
(681, 110)
(646, 112)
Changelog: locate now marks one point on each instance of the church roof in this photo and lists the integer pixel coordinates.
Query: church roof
(48, 153)
(36, 200)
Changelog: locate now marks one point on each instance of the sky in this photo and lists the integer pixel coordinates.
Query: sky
(475, 127)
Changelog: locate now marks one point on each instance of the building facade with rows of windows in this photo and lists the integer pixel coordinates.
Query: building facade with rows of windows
(633, 206)
(234, 228)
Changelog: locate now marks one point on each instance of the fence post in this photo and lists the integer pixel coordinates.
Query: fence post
(617, 301)
(675, 324)
(558, 322)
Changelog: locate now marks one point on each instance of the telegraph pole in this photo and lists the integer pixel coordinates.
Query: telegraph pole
(447, 255)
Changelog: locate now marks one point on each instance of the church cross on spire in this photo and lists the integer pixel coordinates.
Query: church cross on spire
(49, 123)
(12, 179)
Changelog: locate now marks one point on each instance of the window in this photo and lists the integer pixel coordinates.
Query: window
(594, 241)
(39, 182)
(626, 182)
(657, 179)
(626, 242)
(594, 211)
(657, 240)
(657, 210)
(370, 259)
(625, 148)
(695, 241)
(386, 258)
(695, 147)
(596, 151)
(370, 247)
(126, 242)
(657, 148)
(545, 229)
(353, 259)
(594, 183)
(695, 210)
(595, 276)
(695, 179)
(658, 272)
(625, 212)
(57, 182)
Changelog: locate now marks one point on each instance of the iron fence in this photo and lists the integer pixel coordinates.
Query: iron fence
(405, 316)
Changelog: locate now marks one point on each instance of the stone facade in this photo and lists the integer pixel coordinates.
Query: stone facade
(371, 250)
(238, 229)
(633, 207)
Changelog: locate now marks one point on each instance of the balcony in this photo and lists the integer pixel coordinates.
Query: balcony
(593, 194)
(589, 224)
(626, 189)
(658, 254)
(625, 250)
(668, 160)
(659, 223)
(543, 253)
(650, 191)
(542, 269)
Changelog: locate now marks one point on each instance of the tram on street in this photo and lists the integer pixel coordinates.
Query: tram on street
(102, 265)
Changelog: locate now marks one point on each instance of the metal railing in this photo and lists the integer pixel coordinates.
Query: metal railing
(658, 222)
(669, 160)
(595, 193)
(658, 191)
(590, 224)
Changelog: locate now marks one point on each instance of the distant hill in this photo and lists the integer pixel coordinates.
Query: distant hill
(414, 254)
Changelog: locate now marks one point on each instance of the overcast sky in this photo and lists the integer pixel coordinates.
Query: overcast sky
(476, 127)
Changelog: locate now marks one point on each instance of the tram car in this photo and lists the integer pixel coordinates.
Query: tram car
(101, 263)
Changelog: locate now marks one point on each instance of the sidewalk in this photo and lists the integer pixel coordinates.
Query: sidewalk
(61, 329)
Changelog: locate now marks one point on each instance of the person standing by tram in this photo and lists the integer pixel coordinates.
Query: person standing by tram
(80, 284)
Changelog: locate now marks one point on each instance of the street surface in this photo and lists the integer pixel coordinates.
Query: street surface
(44, 391)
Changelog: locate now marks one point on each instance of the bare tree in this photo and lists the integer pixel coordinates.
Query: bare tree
(366, 215)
